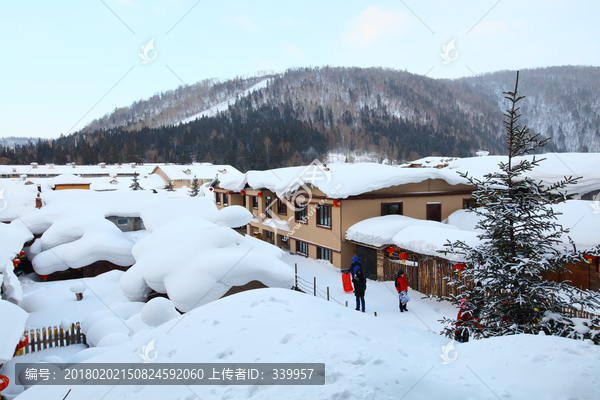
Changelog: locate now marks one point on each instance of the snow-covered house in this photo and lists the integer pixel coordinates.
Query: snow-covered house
(182, 175)
(382, 243)
(310, 208)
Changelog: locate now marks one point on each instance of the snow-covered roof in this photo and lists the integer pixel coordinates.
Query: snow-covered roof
(52, 170)
(338, 181)
(200, 171)
(12, 238)
(11, 329)
(420, 236)
(194, 257)
(581, 217)
(68, 179)
(554, 168)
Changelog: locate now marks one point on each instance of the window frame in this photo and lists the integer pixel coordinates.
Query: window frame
(281, 205)
(218, 197)
(320, 209)
(302, 210)
(399, 203)
(121, 219)
(469, 203)
(320, 251)
(254, 200)
(225, 199)
(298, 242)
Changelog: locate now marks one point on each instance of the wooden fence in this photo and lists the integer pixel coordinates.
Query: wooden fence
(45, 338)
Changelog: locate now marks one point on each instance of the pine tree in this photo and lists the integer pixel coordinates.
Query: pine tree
(503, 286)
(169, 187)
(136, 184)
(195, 189)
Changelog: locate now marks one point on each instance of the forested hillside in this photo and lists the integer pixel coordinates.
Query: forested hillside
(293, 117)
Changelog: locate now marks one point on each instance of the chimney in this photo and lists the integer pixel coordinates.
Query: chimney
(38, 201)
(34, 165)
(72, 165)
(132, 165)
(102, 165)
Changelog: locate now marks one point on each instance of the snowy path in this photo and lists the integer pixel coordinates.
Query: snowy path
(381, 297)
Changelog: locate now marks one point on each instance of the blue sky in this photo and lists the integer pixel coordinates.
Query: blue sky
(65, 63)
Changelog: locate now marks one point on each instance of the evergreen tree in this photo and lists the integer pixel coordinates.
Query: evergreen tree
(136, 184)
(195, 189)
(503, 286)
(169, 187)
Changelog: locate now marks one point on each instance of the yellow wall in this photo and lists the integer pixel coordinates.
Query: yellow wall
(61, 186)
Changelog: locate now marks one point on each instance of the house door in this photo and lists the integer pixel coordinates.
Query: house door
(434, 212)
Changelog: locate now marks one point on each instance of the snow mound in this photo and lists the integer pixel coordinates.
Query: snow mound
(233, 216)
(158, 311)
(195, 261)
(11, 329)
(105, 327)
(36, 302)
(365, 357)
(113, 339)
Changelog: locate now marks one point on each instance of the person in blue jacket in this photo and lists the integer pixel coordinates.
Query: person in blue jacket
(355, 266)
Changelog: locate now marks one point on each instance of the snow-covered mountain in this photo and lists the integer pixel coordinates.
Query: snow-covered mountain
(561, 102)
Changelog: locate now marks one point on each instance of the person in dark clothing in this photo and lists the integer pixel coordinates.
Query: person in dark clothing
(355, 265)
(402, 286)
(360, 286)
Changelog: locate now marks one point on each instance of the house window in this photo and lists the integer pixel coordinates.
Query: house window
(269, 234)
(324, 216)
(434, 212)
(323, 254)
(302, 248)
(301, 213)
(225, 199)
(268, 206)
(122, 221)
(244, 200)
(281, 207)
(218, 197)
(255, 202)
(469, 203)
(391, 209)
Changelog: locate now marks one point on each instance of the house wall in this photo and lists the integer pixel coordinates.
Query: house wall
(414, 198)
(60, 186)
(133, 223)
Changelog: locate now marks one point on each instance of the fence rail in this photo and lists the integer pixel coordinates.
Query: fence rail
(50, 337)
(302, 285)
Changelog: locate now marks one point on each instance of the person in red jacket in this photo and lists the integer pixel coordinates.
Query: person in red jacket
(462, 333)
(401, 286)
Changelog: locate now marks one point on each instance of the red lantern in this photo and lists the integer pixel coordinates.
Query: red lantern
(337, 203)
(16, 261)
(44, 277)
(390, 250)
(211, 189)
(4, 381)
(21, 254)
(403, 256)
(259, 194)
(243, 192)
(589, 258)
(459, 267)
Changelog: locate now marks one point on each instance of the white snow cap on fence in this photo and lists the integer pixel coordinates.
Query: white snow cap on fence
(78, 288)
(195, 261)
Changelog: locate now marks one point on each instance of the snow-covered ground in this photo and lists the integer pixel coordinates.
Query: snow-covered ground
(394, 355)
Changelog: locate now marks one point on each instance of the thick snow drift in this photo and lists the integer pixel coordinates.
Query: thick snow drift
(365, 357)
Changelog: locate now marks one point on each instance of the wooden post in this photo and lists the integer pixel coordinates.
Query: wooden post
(315, 287)
(32, 340)
(346, 303)
(78, 328)
(55, 336)
(38, 339)
(375, 313)
(72, 334)
(67, 338)
(61, 340)
(327, 293)
(296, 275)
